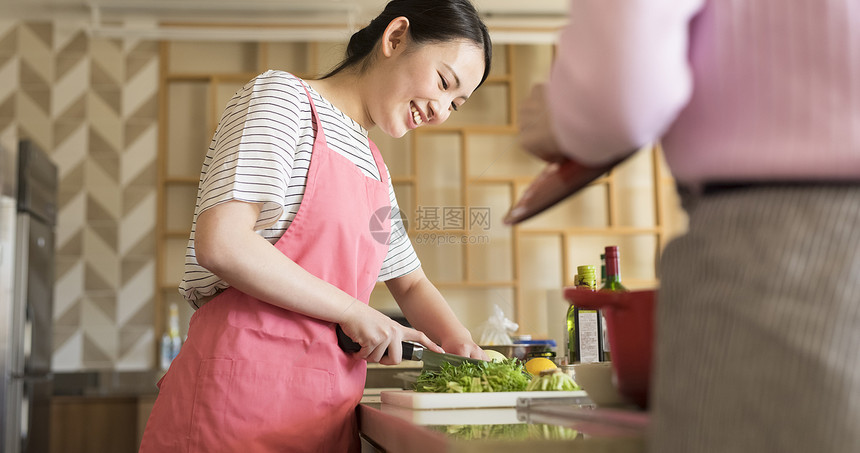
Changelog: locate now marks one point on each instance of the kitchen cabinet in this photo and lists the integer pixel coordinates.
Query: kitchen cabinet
(105, 423)
(94, 424)
(455, 182)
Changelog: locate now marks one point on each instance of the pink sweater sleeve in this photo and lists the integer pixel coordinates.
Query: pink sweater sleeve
(621, 75)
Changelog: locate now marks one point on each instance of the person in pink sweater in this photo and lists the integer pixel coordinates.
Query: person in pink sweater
(757, 106)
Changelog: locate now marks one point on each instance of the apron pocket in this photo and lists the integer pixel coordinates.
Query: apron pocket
(245, 405)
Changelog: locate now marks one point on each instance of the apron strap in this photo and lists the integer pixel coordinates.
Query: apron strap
(320, 137)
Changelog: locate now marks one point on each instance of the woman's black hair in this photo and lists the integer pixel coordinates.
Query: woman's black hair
(430, 21)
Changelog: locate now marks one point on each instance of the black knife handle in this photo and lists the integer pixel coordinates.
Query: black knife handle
(348, 345)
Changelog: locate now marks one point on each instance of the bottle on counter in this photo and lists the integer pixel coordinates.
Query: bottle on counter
(607, 354)
(611, 274)
(584, 327)
(602, 270)
(612, 281)
(171, 342)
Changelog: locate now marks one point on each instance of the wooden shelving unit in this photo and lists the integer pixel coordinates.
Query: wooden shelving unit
(472, 162)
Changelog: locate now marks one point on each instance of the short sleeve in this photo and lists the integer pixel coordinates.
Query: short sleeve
(254, 147)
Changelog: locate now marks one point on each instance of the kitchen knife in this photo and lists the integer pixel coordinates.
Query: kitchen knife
(433, 360)
(411, 351)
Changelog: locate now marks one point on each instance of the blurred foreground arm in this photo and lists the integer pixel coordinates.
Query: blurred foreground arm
(620, 78)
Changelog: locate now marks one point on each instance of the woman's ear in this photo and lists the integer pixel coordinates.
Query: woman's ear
(395, 36)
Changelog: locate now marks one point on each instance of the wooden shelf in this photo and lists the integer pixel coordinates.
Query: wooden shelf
(476, 284)
(507, 260)
(473, 129)
(182, 180)
(498, 180)
(468, 284)
(524, 180)
(629, 283)
(609, 231)
(204, 77)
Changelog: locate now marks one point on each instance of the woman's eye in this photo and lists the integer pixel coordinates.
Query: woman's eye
(454, 106)
(444, 83)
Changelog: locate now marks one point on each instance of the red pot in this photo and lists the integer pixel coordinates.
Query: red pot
(630, 319)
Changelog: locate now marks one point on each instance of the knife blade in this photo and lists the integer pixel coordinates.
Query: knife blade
(411, 351)
(433, 360)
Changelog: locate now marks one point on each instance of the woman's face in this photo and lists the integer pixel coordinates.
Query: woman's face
(423, 84)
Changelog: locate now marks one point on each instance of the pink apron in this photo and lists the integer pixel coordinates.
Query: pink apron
(253, 377)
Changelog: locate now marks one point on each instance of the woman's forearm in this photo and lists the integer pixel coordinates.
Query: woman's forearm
(427, 311)
(229, 248)
(227, 245)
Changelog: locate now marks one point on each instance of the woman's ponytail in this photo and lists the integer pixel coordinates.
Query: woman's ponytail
(430, 21)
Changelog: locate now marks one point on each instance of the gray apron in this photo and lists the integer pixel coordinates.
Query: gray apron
(758, 344)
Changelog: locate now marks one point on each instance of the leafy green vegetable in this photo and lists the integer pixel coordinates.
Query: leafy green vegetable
(553, 380)
(503, 376)
(521, 431)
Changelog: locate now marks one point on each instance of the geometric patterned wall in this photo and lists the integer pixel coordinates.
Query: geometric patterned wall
(92, 105)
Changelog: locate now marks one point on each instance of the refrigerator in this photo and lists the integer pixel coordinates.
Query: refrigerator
(28, 212)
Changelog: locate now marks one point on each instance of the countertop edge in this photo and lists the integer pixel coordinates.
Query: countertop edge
(397, 435)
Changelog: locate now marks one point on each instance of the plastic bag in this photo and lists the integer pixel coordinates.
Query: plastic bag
(496, 330)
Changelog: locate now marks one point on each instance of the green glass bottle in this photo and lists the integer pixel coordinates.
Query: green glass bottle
(584, 327)
(602, 269)
(611, 282)
(607, 355)
(613, 270)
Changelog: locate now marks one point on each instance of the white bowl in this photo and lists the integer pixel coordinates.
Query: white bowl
(597, 381)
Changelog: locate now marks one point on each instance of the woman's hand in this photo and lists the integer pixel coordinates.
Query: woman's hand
(426, 309)
(464, 347)
(377, 333)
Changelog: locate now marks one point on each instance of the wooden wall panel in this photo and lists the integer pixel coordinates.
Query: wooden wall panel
(472, 162)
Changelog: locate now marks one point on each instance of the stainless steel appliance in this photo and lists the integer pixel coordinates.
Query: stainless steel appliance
(28, 212)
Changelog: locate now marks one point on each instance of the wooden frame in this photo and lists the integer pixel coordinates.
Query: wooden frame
(513, 184)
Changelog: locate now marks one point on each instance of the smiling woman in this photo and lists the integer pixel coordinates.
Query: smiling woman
(418, 59)
(281, 249)
(420, 86)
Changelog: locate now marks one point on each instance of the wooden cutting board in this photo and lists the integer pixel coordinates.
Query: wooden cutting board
(423, 400)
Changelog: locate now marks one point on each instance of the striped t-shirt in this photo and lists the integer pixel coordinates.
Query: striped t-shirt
(260, 154)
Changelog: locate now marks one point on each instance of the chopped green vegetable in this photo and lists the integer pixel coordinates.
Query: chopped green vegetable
(503, 376)
(552, 380)
(521, 431)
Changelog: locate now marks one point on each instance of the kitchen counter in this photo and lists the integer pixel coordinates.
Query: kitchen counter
(107, 383)
(532, 426)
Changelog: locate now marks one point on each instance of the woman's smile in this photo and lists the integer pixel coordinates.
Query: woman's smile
(418, 117)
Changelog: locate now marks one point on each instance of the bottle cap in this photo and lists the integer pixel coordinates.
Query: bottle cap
(588, 269)
(586, 276)
(611, 251)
